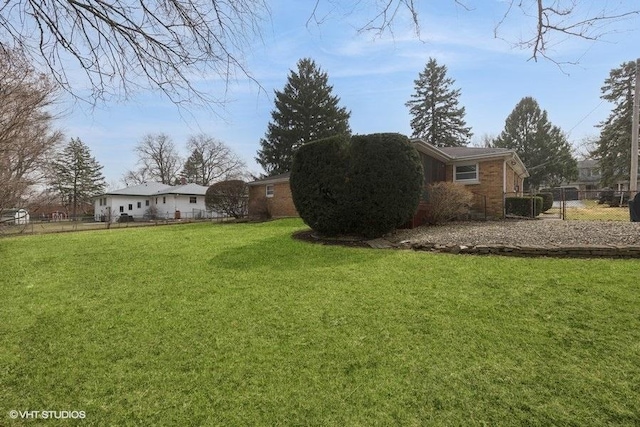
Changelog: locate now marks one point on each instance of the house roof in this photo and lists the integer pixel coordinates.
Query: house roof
(157, 189)
(453, 155)
(283, 177)
(192, 189)
(145, 189)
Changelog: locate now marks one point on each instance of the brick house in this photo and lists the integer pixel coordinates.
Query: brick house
(271, 197)
(489, 173)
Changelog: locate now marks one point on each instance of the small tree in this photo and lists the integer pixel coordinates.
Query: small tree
(229, 197)
(77, 176)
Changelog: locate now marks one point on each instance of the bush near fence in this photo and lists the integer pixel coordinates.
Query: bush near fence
(527, 206)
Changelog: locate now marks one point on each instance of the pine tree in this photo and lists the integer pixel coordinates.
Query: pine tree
(541, 146)
(434, 106)
(304, 111)
(76, 175)
(613, 149)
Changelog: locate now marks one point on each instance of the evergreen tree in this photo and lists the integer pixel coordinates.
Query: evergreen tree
(613, 149)
(541, 146)
(304, 111)
(76, 175)
(434, 106)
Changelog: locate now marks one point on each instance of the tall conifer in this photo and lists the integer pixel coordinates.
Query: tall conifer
(305, 111)
(434, 106)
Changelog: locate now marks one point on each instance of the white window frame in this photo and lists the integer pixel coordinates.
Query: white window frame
(475, 180)
(269, 190)
(193, 199)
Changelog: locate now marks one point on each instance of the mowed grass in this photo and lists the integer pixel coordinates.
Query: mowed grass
(218, 324)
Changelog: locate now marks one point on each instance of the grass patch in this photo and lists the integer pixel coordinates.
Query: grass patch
(592, 211)
(239, 324)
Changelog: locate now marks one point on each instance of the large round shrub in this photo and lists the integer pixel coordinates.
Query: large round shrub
(386, 180)
(318, 184)
(368, 185)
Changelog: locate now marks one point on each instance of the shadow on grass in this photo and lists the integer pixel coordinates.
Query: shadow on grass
(287, 253)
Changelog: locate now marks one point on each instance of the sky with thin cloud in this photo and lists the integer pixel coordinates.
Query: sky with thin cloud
(374, 78)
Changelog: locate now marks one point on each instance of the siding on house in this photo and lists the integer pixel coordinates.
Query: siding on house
(170, 201)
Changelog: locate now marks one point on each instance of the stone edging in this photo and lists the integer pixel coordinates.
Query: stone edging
(573, 251)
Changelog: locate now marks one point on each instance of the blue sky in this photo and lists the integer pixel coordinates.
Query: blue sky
(373, 76)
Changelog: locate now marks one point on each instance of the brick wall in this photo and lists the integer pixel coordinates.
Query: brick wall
(280, 205)
(491, 176)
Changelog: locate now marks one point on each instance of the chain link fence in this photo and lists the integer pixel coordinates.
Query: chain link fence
(587, 205)
(63, 223)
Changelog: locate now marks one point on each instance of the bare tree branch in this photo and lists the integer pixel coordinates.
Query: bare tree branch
(122, 46)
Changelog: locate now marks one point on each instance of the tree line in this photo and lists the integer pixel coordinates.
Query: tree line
(306, 110)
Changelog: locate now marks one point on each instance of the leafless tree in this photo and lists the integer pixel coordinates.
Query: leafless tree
(124, 45)
(566, 19)
(158, 160)
(552, 18)
(27, 137)
(210, 161)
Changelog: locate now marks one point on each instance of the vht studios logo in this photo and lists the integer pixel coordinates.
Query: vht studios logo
(44, 415)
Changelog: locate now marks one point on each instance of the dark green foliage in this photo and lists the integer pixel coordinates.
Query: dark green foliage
(368, 185)
(547, 200)
(541, 146)
(434, 106)
(76, 175)
(305, 111)
(613, 150)
(524, 206)
(319, 184)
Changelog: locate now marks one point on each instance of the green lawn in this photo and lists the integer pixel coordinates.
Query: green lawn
(218, 324)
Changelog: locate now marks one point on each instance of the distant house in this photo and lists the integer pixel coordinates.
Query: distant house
(590, 179)
(489, 173)
(141, 201)
(15, 217)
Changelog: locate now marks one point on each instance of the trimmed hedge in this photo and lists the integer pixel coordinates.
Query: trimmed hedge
(368, 185)
(547, 200)
(523, 206)
(319, 184)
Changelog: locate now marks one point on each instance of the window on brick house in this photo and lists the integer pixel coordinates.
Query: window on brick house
(466, 173)
(269, 191)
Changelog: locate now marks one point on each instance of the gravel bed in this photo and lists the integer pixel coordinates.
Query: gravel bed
(524, 233)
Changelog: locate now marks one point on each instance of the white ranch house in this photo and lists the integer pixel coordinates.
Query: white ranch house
(171, 202)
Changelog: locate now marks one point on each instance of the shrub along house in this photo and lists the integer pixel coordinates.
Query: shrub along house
(489, 173)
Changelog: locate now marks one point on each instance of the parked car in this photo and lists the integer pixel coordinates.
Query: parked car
(124, 217)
